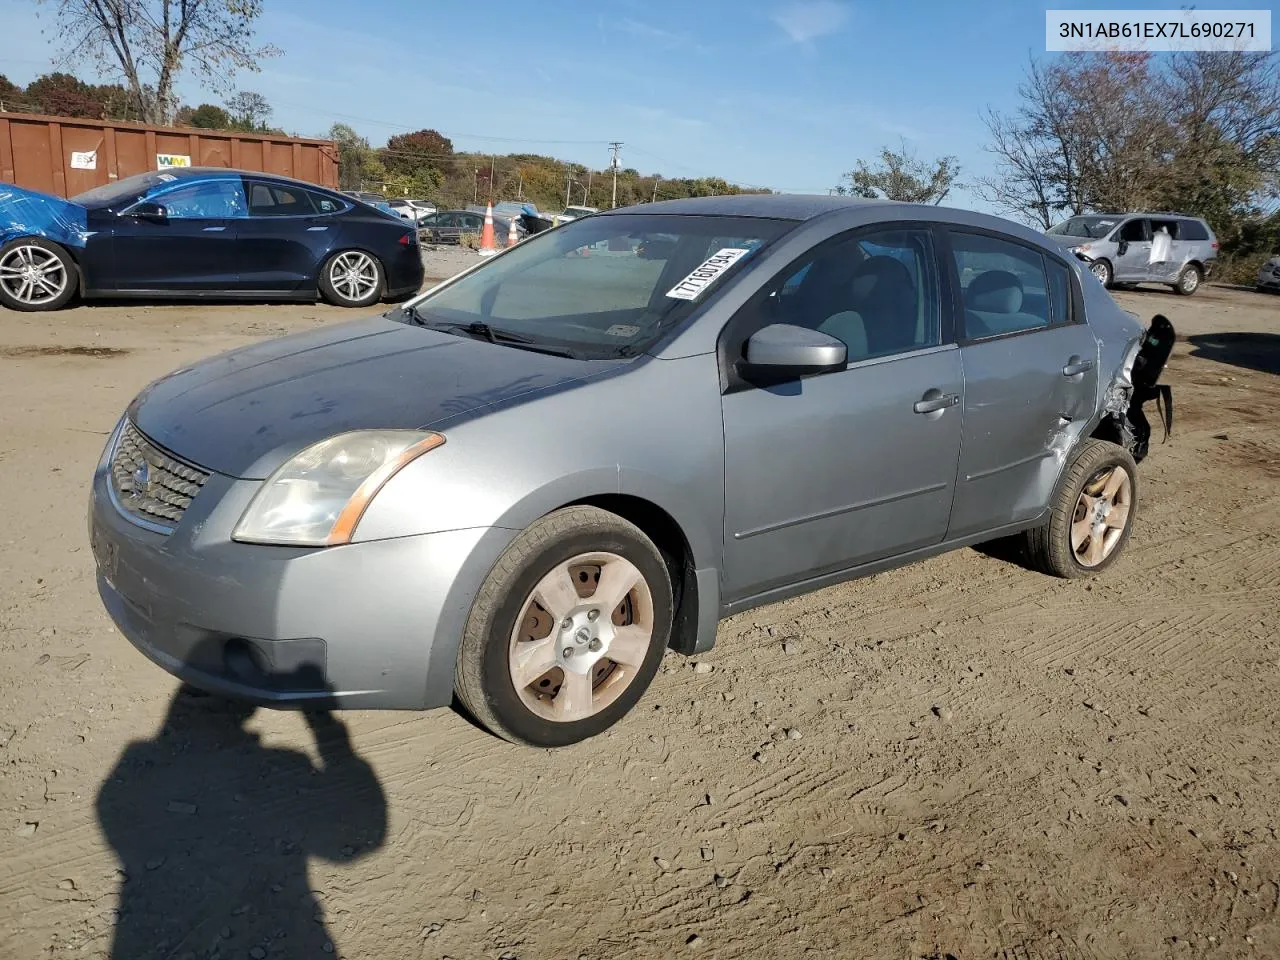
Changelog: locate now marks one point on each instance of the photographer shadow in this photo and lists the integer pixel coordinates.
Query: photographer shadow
(214, 830)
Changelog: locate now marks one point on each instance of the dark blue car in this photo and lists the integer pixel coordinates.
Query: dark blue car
(203, 233)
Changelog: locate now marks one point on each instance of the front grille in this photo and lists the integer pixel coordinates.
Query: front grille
(149, 484)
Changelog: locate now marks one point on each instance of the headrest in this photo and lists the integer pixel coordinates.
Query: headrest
(996, 291)
(876, 276)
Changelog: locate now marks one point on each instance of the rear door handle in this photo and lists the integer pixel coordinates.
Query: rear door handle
(933, 404)
(316, 229)
(1075, 366)
(214, 229)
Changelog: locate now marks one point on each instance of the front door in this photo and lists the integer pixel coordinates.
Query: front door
(1133, 252)
(831, 471)
(1030, 369)
(192, 247)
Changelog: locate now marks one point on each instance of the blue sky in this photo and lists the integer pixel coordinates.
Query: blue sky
(781, 93)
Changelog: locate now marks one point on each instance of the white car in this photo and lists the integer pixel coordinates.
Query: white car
(573, 213)
(413, 210)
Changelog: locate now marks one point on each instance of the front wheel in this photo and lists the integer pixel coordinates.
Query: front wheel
(1102, 270)
(1188, 280)
(36, 274)
(568, 630)
(1092, 513)
(352, 278)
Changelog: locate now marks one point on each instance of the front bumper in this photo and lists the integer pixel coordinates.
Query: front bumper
(371, 625)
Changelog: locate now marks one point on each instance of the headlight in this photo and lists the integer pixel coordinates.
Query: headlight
(317, 498)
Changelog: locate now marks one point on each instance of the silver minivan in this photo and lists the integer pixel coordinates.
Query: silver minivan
(1119, 247)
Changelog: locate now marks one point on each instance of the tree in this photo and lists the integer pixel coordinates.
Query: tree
(414, 154)
(901, 176)
(357, 162)
(249, 111)
(1196, 132)
(207, 116)
(149, 42)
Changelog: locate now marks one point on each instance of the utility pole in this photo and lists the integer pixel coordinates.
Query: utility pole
(586, 197)
(614, 147)
(568, 185)
(655, 189)
(491, 178)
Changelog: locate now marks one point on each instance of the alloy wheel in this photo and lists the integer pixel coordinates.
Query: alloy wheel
(353, 275)
(33, 275)
(1101, 515)
(581, 637)
(1190, 280)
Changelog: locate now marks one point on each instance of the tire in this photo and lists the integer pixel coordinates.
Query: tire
(352, 278)
(507, 627)
(1102, 270)
(1188, 281)
(1056, 548)
(36, 274)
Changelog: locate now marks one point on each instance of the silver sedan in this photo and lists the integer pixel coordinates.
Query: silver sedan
(526, 484)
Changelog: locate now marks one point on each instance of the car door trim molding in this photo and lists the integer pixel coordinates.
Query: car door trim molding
(837, 511)
(983, 474)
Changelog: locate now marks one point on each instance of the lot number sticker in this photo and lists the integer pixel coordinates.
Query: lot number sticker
(691, 286)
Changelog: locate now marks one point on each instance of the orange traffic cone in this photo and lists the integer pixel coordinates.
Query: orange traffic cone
(512, 239)
(488, 247)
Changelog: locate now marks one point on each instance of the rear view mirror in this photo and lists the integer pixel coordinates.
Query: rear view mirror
(148, 210)
(785, 350)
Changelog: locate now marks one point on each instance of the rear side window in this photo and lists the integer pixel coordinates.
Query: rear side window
(1004, 286)
(325, 204)
(1059, 290)
(269, 200)
(1192, 230)
(1168, 226)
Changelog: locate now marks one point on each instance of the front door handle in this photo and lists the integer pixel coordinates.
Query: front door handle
(1075, 367)
(932, 404)
(214, 229)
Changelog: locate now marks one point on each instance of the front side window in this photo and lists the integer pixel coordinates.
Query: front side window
(207, 200)
(877, 291)
(1135, 231)
(604, 286)
(1003, 284)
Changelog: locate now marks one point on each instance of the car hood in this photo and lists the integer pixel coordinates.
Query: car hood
(26, 213)
(243, 413)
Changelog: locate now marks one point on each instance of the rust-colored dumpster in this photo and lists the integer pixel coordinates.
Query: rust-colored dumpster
(66, 155)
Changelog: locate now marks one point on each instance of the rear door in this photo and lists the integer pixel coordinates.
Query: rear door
(1166, 269)
(1030, 368)
(1132, 262)
(284, 239)
(192, 248)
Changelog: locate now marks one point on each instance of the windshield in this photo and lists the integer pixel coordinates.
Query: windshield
(605, 286)
(1091, 227)
(121, 190)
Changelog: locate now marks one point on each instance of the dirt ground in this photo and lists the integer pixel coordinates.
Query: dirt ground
(960, 759)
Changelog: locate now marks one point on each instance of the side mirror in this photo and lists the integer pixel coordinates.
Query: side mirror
(783, 350)
(148, 210)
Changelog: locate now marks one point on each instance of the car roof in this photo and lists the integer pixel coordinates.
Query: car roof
(801, 207)
(227, 173)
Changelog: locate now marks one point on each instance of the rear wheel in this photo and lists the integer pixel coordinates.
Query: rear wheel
(1092, 513)
(36, 274)
(352, 278)
(1188, 280)
(568, 630)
